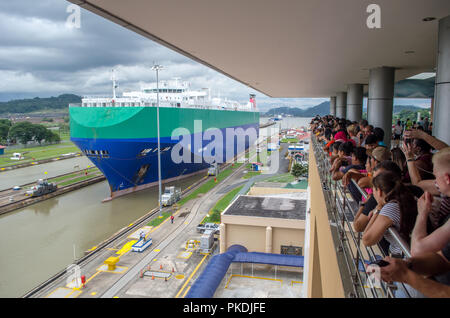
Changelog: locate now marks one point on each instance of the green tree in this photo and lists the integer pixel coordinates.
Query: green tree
(40, 133)
(24, 132)
(21, 132)
(52, 137)
(299, 170)
(6, 122)
(4, 129)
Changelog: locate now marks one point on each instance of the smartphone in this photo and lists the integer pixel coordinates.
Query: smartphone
(380, 263)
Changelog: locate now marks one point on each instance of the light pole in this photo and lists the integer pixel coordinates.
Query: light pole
(157, 68)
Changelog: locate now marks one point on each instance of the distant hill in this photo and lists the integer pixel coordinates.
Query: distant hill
(324, 109)
(399, 108)
(321, 109)
(39, 104)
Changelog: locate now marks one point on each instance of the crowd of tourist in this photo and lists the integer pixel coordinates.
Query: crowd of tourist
(407, 188)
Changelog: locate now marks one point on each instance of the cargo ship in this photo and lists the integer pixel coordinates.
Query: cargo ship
(119, 134)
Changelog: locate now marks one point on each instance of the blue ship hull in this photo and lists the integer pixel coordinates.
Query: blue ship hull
(127, 168)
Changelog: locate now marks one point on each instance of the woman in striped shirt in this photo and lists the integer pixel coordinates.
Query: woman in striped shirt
(397, 207)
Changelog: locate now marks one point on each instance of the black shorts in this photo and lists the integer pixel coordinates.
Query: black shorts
(397, 137)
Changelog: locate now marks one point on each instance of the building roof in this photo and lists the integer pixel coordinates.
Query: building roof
(291, 48)
(270, 207)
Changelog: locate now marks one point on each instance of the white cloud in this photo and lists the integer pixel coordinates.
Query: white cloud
(16, 81)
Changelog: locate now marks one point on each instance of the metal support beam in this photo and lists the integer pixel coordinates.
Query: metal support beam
(355, 102)
(381, 100)
(441, 111)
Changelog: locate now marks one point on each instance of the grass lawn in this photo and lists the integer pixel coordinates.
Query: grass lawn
(82, 178)
(204, 188)
(214, 215)
(157, 221)
(38, 153)
(251, 174)
(68, 176)
(289, 140)
(208, 185)
(286, 177)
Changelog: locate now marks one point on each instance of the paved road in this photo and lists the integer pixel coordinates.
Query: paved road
(166, 240)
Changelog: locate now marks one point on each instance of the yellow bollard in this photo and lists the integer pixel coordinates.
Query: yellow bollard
(111, 262)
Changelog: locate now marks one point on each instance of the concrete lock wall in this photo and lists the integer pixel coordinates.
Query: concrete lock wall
(266, 190)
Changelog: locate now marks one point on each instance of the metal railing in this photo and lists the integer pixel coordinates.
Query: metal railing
(342, 210)
(166, 105)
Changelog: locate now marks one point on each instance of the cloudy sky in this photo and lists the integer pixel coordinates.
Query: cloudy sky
(41, 56)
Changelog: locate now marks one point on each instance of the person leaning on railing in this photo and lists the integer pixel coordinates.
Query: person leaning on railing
(413, 168)
(344, 156)
(362, 216)
(357, 162)
(430, 252)
(396, 208)
(377, 155)
(334, 151)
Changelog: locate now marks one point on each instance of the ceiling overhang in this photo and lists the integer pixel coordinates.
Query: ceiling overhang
(288, 48)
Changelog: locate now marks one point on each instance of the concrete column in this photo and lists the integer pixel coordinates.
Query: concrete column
(341, 105)
(333, 105)
(268, 239)
(441, 111)
(223, 238)
(432, 107)
(381, 100)
(355, 102)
